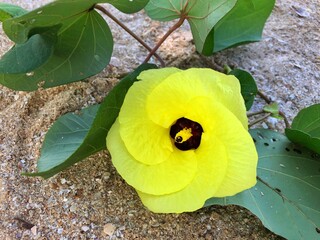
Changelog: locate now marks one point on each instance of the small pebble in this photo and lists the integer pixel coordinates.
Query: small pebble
(34, 230)
(73, 208)
(63, 180)
(301, 12)
(109, 229)
(85, 228)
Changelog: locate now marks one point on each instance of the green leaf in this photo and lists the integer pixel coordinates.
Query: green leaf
(272, 108)
(83, 45)
(164, 10)
(248, 86)
(25, 57)
(243, 24)
(127, 6)
(62, 141)
(74, 137)
(305, 128)
(202, 16)
(82, 49)
(286, 196)
(9, 10)
(59, 12)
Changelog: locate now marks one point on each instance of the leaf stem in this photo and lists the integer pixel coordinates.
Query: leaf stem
(259, 119)
(171, 30)
(106, 12)
(267, 100)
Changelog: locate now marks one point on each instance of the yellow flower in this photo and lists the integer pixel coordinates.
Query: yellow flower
(181, 137)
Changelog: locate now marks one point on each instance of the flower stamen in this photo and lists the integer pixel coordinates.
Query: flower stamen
(186, 134)
(183, 135)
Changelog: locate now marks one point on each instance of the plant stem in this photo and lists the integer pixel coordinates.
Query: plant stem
(171, 30)
(227, 69)
(267, 100)
(255, 113)
(259, 119)
(264, 97)
(106, 12)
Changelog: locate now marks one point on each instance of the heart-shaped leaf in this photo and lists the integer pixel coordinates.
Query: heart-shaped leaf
(243, 24)
(287, 194)
(59, 12)
(83, 49)
(202, 16)
(305, 128)
(74, 137)
(9, 10)
(80, 44)
(249, 87)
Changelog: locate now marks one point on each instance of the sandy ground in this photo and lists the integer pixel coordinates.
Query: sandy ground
(90, 200)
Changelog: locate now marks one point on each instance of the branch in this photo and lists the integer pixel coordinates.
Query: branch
(259, 119)
(171, 30)
(106, 12)
(255, 113)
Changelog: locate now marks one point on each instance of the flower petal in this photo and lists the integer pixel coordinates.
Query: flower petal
(212, 164)
(169, 99)
(226, 158)
(146, 141)
(217, 120)
(243, 159)
(170, 180)
(169, 176)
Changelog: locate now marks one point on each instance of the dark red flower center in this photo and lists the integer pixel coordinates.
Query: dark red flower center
(186, 134)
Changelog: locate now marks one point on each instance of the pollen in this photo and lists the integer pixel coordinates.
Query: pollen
(183, 135)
